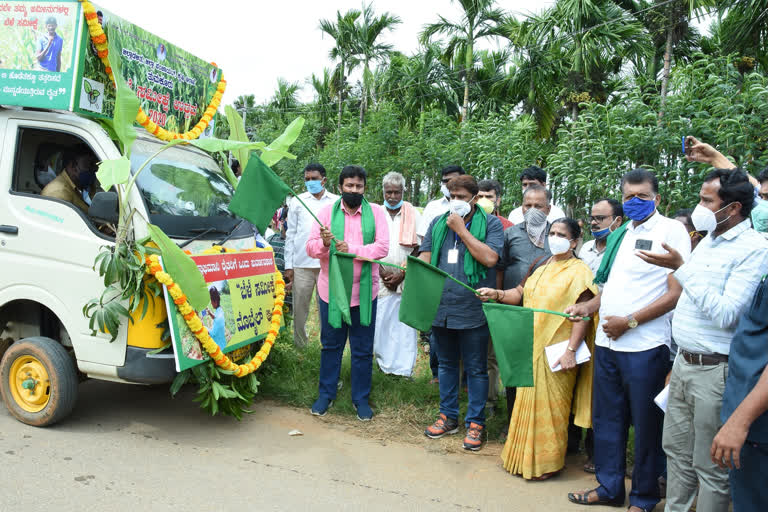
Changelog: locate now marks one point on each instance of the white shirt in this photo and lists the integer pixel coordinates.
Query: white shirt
(397, 253)
(592, 257)
(516, 216)
(433, 209)
(634, 284)
(299, 224)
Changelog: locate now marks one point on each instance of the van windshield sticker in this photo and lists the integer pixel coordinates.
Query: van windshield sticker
(45, 214)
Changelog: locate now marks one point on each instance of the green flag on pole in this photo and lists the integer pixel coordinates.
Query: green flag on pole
(340, 278)
(512, 335)
(259, 194)
(422, 290)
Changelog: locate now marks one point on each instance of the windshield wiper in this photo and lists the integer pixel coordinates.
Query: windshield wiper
(230, 234)
(202, 233)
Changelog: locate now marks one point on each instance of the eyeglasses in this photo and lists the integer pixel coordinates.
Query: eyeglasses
(598, 218)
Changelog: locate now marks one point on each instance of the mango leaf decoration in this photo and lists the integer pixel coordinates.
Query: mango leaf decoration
(126, 104)
(113, 172)
(182, 269)
(276, 151)
(237, 133)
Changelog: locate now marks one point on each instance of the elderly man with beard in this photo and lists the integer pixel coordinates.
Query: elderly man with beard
(394, 343)
(525, 248)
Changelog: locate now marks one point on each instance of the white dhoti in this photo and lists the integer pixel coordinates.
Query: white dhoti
(394, 343)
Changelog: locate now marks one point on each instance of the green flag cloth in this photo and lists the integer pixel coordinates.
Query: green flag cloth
(512, 335)
(259, 194)
(346, 269)
(422, 290)
(474, 270)
(612, 245)
(340, 278)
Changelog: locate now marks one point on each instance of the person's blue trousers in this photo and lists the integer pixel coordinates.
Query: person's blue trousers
(748, 489)
(433, 361)
(471, 346)
(625, 384)
(360, 346)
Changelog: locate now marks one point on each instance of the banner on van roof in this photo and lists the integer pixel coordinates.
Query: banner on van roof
(38, 53)
(47, 60)
(242, 288)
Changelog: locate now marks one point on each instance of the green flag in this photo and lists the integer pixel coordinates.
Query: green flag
(340, 278)
(422, 290)
(259, 194)
(512, 335)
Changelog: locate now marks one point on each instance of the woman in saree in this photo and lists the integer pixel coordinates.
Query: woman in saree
(538, 430)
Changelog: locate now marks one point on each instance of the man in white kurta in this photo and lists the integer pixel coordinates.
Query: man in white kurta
(394, 343)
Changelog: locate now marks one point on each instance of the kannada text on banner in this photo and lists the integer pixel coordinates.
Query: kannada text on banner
(37, 52)
(242, 290)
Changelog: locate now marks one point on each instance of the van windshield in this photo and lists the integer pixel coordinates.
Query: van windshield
(181, 182)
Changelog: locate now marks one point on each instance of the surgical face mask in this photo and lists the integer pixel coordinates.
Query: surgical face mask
(314, 186)
(445, 191)
(486, 204)
(603, 233)
(704, 219)
(558, 244)
(460, 208)
(639, 209)
(391, 207)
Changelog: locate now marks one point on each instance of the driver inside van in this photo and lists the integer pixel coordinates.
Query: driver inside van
(74, 181)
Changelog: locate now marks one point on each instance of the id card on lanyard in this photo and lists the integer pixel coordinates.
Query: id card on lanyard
(453, 254)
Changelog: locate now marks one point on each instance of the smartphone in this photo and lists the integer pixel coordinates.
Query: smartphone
(643, 245)
(683, 144)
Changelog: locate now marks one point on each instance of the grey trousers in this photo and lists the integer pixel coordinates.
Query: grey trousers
(690, 424)
(304, 284)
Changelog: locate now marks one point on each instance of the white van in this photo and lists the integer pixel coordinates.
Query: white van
(48, 246)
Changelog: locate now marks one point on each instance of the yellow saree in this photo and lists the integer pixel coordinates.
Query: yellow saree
(538, 429)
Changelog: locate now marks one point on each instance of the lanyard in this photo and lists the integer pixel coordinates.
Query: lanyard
(456, 236)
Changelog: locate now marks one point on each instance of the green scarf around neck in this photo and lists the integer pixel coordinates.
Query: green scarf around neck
(474, 270)
(612, 245)
(368, 224)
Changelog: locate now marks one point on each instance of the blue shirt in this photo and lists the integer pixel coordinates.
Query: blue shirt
(718, 282)
(50, 60)
(747, 361)
(460, 308)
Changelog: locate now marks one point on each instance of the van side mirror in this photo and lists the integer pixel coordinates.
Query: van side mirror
(104, 208)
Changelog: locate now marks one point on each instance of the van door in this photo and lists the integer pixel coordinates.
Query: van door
(48, 245)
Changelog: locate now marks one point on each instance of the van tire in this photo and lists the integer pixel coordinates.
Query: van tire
(49, 357)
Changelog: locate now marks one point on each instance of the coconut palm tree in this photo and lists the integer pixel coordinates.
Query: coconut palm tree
(285, 99)
(368, 48)
(744, 29)
(343, 33)
(480, 19)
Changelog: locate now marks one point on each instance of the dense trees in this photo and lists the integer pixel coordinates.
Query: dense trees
(579, 88)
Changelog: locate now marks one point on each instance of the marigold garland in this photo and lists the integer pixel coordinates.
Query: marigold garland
(195, 324)
(99, 39)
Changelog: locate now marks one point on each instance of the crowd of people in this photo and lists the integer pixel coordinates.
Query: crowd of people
(665, 305)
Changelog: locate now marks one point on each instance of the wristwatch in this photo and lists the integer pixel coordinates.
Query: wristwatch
(631, 322)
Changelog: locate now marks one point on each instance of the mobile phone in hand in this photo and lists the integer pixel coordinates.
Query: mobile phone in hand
(683, 144)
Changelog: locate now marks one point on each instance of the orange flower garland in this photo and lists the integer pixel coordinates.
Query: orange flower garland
(201, 333)
(99, 39)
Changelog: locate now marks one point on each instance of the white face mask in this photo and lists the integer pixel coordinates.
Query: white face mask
(704, 219)
(445, 191)
(558, 244)
(460, 208)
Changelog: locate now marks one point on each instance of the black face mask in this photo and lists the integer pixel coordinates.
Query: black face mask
(352, 199)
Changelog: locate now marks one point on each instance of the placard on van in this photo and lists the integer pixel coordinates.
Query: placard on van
(47, 60)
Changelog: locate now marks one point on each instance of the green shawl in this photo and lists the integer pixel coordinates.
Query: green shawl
(368, 224)
(612, 245)
(474, 270)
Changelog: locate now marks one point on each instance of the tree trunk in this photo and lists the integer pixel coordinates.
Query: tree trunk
(364, 98)
(468, 62)
(665, 74)
(341, 99)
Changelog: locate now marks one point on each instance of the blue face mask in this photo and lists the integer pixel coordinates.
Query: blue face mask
(395, 207)
(639, 209)
(603, 233)
(314, 186)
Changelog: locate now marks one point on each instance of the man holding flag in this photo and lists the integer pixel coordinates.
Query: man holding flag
(466, 243)
(351, 225)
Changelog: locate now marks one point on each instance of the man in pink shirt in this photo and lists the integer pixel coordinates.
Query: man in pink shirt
(350, 225)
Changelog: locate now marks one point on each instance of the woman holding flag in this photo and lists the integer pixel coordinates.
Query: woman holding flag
(537, 440)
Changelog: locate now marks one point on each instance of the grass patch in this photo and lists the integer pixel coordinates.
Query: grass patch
(402, 405)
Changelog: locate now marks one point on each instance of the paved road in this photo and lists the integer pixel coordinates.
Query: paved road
(135, 449)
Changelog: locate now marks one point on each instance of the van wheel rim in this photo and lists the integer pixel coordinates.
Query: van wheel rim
(30, 384)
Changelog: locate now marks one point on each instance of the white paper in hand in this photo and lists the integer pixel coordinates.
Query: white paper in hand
(556, 351)
(661, 399)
